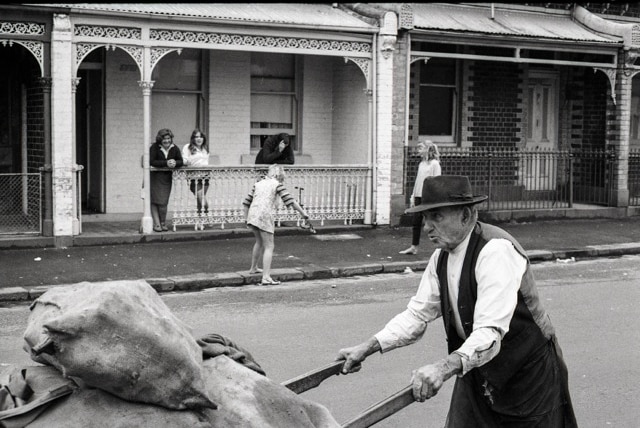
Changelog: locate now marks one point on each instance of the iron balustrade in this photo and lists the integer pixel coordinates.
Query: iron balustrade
(517, 179)
(327, 192)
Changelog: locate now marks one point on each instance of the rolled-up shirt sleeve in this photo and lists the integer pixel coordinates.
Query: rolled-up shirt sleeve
(409, 325)
(499, 271)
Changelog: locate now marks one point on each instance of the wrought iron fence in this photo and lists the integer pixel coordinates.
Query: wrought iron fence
(327, 192)
(634, 177)
(20, 212)
(519, 180)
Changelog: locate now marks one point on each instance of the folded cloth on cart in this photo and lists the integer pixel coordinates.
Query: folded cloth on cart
(244, 397)
(214, 344)
(118, 336)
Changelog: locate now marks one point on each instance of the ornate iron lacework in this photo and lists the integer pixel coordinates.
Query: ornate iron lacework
(158, 53)
(83, 49)
(110, 32)
(34, 47)
(258, 41)
(135, 52)
(22, 28)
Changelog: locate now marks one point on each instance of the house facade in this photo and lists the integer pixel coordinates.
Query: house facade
(536, 103)
(356, 85)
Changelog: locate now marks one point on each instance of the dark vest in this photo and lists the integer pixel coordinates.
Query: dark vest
(529, 329)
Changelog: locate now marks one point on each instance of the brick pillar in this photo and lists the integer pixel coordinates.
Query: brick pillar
(62, 161)
(401, 132)
(618, 126)
(384, 124)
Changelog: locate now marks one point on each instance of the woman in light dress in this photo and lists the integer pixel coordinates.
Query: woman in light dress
(429, 167)
(259, 207)
(196, 153)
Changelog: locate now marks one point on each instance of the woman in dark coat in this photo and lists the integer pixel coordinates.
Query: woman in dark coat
(162, 154)
(276, 149)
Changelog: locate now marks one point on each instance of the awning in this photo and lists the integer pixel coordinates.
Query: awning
(314, 15)
(506, 21)
(523, 34)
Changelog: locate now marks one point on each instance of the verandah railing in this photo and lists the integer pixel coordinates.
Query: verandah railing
(520, 179)
(634, 177)
(327, 192)
(21, 207)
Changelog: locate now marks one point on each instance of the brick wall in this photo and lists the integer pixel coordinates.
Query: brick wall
(495, 113)
(596, 97)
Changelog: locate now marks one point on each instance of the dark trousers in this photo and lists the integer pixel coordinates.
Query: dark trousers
(417, 223)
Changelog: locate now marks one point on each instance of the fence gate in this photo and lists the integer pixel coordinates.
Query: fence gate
(20, 211)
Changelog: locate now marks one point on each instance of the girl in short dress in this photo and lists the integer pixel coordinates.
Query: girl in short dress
(259, 207)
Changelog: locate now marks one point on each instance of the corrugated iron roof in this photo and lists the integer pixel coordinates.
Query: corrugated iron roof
(307, 14)
(476, 19)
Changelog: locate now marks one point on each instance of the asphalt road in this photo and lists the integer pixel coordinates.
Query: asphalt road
(298, 326)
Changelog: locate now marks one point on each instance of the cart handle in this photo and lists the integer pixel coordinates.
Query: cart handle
(382, 410)
(313, 378)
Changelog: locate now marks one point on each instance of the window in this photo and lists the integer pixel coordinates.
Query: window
(178, 97)
(438, 103)
(273, 97)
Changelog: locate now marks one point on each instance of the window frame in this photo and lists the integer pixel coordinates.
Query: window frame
(450, 139)
(294, 94)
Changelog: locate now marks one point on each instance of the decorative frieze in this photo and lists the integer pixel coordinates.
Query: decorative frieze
(224, 39)
(111, 32)
(22, 28)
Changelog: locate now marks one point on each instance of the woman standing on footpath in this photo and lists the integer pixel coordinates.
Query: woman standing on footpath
(429, 167)
(196, 153)
(162, 154)
(259, 206)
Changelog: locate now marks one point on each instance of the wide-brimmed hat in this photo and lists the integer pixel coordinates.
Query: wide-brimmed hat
(444, 191)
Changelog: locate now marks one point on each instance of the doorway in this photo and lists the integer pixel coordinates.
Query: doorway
(542, 130)
(90, 133)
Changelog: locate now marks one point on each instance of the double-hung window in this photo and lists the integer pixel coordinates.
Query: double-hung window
(178, 99)
(274, 102)
(438, 102)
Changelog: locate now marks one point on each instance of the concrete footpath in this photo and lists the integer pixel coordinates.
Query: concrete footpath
(190, 261)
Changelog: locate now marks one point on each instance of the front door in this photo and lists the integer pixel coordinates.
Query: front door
(538, 166)
(90, 135)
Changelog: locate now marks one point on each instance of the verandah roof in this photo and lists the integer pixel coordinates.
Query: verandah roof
(508, 20)
(316, 15)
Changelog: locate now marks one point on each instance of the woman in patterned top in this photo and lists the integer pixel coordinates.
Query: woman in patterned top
(259, 206)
